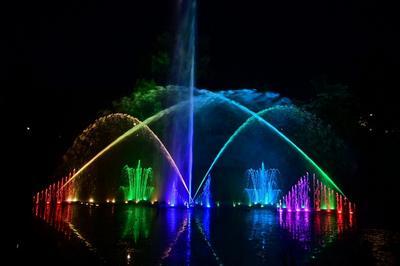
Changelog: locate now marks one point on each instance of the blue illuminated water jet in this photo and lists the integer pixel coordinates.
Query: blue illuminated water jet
(262, 186)
(183, 75)
(205, 196)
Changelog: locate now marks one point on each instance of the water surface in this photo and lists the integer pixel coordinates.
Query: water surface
(140, 235)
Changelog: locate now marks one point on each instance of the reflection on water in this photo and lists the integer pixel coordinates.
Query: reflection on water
(135, 235)
(58, 217)
(384, 245)
(315, 231)
(203, 226)
(136, 224)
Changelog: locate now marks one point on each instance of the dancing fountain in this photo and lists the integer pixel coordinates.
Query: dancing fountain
(198, 147)
(140, 181)
(307, 195)
(262, 186)
(242, 121)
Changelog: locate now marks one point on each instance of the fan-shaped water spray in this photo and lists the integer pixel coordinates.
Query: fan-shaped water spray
(262, 186)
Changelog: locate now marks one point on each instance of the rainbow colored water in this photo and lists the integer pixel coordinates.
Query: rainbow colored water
(176, 182)
(310, 194)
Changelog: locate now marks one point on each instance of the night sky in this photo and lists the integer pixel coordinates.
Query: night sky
(67, 60)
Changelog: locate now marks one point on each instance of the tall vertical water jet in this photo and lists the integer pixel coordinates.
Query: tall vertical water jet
(183, 75)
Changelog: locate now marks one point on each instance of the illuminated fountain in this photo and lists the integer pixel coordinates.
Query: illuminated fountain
(298, 198)
(58, 192)
(205, 196)
(176, 190)
(233, 130)
(262, 186)
(180, 131)
(139, 183)
(166, 139)
(312, 194)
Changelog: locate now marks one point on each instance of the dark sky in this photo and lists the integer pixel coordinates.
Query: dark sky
(66, 60)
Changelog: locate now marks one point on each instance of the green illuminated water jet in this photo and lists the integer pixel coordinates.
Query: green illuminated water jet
(139, 182)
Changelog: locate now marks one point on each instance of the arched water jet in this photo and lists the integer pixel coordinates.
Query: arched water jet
(227, 143)
(201, 98)
(264, 122)
(139, 126)
(144, 124)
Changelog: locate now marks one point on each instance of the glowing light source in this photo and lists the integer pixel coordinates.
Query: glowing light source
(108, 201)
(91, 200)
(113, 200)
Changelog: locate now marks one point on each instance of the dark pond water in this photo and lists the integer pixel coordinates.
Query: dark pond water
(134, 235)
